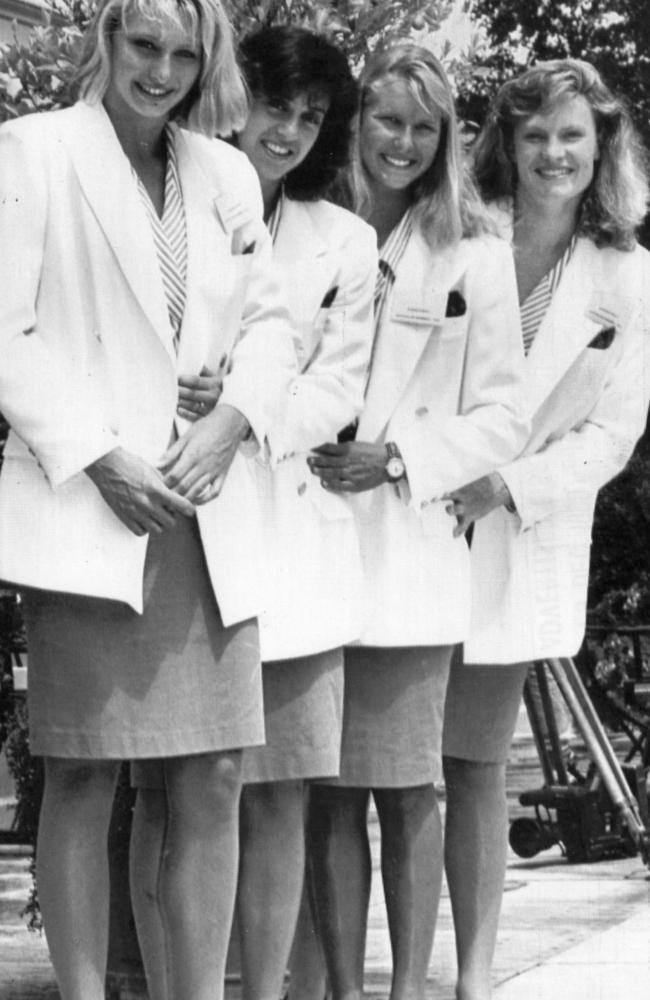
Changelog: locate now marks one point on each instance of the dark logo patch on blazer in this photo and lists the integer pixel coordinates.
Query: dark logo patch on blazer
(603, 338)
(456, 305)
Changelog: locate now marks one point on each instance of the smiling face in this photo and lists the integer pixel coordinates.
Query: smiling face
(555, 153)
(398, 137)
(280, 133)
(154, 65)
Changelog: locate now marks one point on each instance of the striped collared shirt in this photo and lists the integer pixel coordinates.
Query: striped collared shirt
(534, 308)
(170, 237)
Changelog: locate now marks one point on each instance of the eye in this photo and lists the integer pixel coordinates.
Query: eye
(313, 118)
(276, 104)
(187, 54)
(427, 127)
(143, 43)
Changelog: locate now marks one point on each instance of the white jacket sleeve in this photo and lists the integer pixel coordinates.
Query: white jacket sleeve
(570, 469)
(48, 396)
(490, 426)
(328, 394)
(263, 360)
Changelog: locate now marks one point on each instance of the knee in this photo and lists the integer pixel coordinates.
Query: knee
(403, 811)
(206, 785)
(472, 778)
(264, 803)
(335, 810)
(70, 779)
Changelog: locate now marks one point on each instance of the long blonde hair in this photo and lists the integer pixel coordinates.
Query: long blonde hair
(616, 201)
(446, 204)
(217, 104)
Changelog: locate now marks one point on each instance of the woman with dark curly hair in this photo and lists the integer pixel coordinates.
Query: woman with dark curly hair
(297, 138)
(560, 163)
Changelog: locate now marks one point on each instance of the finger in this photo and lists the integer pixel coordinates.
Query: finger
(199, 488)
(212, 491)
(330, 448)
(173, 501)
(171, 455)
(187, 414)
(328, 462)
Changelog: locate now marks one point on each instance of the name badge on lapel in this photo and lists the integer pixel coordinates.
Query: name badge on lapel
(612, 312)
(232, 213)
(418, 309)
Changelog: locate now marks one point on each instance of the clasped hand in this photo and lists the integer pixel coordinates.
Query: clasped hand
(191, 472)
(472, 502)
(351, 467)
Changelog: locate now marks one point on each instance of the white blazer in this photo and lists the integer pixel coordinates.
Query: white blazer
(312, 566)
(87, 354)
(585, 391)
(446, 390)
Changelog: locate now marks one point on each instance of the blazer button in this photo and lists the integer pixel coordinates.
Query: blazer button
(421, 411)
(302, 489)
(423, 504)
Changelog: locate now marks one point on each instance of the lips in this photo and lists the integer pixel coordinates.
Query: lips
(397, 162)
(276, 149)
(153, 92)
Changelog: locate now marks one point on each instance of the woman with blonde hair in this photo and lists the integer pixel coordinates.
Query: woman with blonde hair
(561, 166)
(442, 402)
(134, 248)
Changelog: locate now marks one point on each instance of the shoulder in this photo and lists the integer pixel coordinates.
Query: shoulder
(226, 165)
(337, 226)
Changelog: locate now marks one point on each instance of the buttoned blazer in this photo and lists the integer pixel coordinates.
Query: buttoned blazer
(447, 390)
(312, 570)
(585, 378)
(88, 361)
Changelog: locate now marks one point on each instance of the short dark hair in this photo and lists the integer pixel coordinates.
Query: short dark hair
(282, 61)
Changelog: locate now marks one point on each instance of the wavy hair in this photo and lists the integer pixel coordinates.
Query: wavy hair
(445, 200)
(283, 61)
(616, 202)
(217, 103)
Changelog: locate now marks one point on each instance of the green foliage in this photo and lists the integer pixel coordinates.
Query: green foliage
(614, 35)
(35, 75)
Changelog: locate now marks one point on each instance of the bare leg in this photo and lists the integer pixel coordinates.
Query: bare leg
(475, 863)
(148, 835)
(341, 867)
(308, 980)
(271, 873)
(72, 871)
(411, 865)
(199, 874)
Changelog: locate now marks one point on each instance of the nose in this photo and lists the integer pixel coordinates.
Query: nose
(161, 69)
(404, 139)
(288, 127)
(554, 147)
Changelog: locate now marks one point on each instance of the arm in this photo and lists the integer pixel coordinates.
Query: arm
(571, 468)
(48, 400)
(254, 388)
(489, 428)
(328, 393)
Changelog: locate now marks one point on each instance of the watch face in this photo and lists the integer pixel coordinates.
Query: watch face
(395, 468)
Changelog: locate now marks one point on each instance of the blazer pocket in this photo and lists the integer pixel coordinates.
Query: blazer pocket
(456, 305)
(603, 339)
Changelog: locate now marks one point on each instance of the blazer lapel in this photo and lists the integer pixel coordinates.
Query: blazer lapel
(423, 282)
(208, 253)
(302, 254)
(569, 325)
(107, 181)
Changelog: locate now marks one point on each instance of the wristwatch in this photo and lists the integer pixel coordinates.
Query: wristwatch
(395, 468)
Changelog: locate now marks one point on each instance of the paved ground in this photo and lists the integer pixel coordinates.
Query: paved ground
(568, 932)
